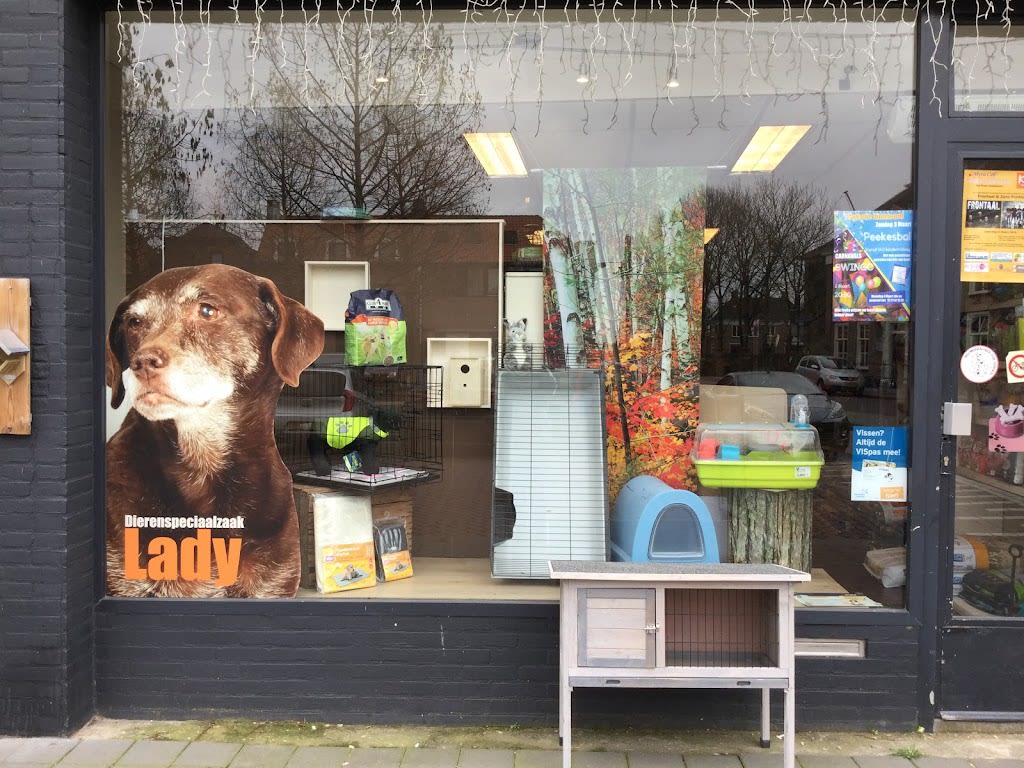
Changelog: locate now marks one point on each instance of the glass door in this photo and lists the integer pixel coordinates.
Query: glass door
(982, 645)
(988, 574)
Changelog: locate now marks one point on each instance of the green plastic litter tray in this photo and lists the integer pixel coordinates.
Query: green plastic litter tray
(772, 456)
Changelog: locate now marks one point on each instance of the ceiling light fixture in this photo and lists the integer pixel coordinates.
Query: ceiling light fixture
(497, 153)
(771, 143)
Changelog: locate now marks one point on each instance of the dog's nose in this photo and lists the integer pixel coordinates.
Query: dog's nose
(148, 359)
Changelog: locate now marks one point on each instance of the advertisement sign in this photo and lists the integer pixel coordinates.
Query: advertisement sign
(871, 266)
(879, 464)
(992, 236)
(199, 502)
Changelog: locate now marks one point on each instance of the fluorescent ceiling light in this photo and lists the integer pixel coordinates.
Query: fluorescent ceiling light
(769, 146)
(497, 153)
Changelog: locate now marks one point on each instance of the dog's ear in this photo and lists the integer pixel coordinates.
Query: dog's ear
(117, 355)
(299, 337)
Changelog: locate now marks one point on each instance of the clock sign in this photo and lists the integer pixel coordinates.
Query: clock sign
(979, 364)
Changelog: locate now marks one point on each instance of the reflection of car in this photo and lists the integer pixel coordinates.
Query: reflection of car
(826, 414)
(303, 413)
(321, 394)
(831, 374)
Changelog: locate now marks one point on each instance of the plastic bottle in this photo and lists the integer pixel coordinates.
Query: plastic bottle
(799, 412)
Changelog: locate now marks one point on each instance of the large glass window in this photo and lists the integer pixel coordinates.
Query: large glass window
(652, 237)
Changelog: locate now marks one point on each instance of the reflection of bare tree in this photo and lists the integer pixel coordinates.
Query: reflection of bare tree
(163, 151)
(362, 130)
(276, 172)
(754, 272)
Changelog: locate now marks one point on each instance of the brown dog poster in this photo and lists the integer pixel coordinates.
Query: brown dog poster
(199, 501)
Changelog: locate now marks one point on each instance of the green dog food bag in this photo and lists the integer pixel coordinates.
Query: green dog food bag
(374, 328)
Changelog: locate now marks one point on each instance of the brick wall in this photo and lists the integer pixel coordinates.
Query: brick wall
(460, 663)
(47, 583)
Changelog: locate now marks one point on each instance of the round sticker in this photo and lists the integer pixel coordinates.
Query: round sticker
(979, 364)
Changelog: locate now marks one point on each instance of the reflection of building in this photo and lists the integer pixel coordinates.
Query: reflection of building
(750, 334)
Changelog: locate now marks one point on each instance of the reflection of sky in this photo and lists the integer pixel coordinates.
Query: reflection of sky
(851, 81)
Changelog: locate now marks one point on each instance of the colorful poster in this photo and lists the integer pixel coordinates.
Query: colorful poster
(879, 464)
(992, 236)
(623, 276)
(871, 266)
(199, 502)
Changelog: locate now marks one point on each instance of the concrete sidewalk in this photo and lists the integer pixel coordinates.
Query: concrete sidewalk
(126, 753)
(124, 744)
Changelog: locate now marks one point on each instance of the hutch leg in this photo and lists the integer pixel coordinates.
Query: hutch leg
(766, 712)
(789, 728)
(565, 725)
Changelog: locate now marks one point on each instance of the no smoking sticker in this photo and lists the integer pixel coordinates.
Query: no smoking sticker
(1015, 366)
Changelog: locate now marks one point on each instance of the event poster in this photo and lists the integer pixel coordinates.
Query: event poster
(992, 236)
(871, 266)
(879, 464)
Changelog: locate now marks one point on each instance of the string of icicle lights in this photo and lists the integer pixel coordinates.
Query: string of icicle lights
(607, 44)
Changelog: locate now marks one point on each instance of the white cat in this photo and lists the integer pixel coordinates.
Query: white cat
(517, 350)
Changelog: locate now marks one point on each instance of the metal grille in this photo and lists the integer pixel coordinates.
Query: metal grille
(721, 627)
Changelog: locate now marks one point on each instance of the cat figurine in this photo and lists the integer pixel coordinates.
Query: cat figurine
(517, 350)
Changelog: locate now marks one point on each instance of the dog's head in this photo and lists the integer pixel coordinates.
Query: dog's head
(192, 337)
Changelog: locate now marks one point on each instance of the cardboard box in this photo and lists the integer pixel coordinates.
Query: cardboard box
(384, 504)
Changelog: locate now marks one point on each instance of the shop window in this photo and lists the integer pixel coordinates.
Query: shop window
(629, 236)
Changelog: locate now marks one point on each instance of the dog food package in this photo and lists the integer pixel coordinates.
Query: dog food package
(394, 560)
(343, 542)
(374, 328)
(889, 566)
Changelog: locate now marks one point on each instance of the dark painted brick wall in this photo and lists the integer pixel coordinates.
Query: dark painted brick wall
(47, 552)
(490, 663)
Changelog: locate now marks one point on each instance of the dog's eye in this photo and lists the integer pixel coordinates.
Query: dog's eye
(132, 321)
(207, 311)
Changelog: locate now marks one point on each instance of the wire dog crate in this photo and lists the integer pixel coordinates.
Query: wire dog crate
(362, 426)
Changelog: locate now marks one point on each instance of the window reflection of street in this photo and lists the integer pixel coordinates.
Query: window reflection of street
(844, 531)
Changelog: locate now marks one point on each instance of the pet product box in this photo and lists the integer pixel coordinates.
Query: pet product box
(395, 503)
(394, 561)
(343, 552)
(780, 455)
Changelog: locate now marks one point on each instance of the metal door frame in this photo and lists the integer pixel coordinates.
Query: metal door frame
(944, 140)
